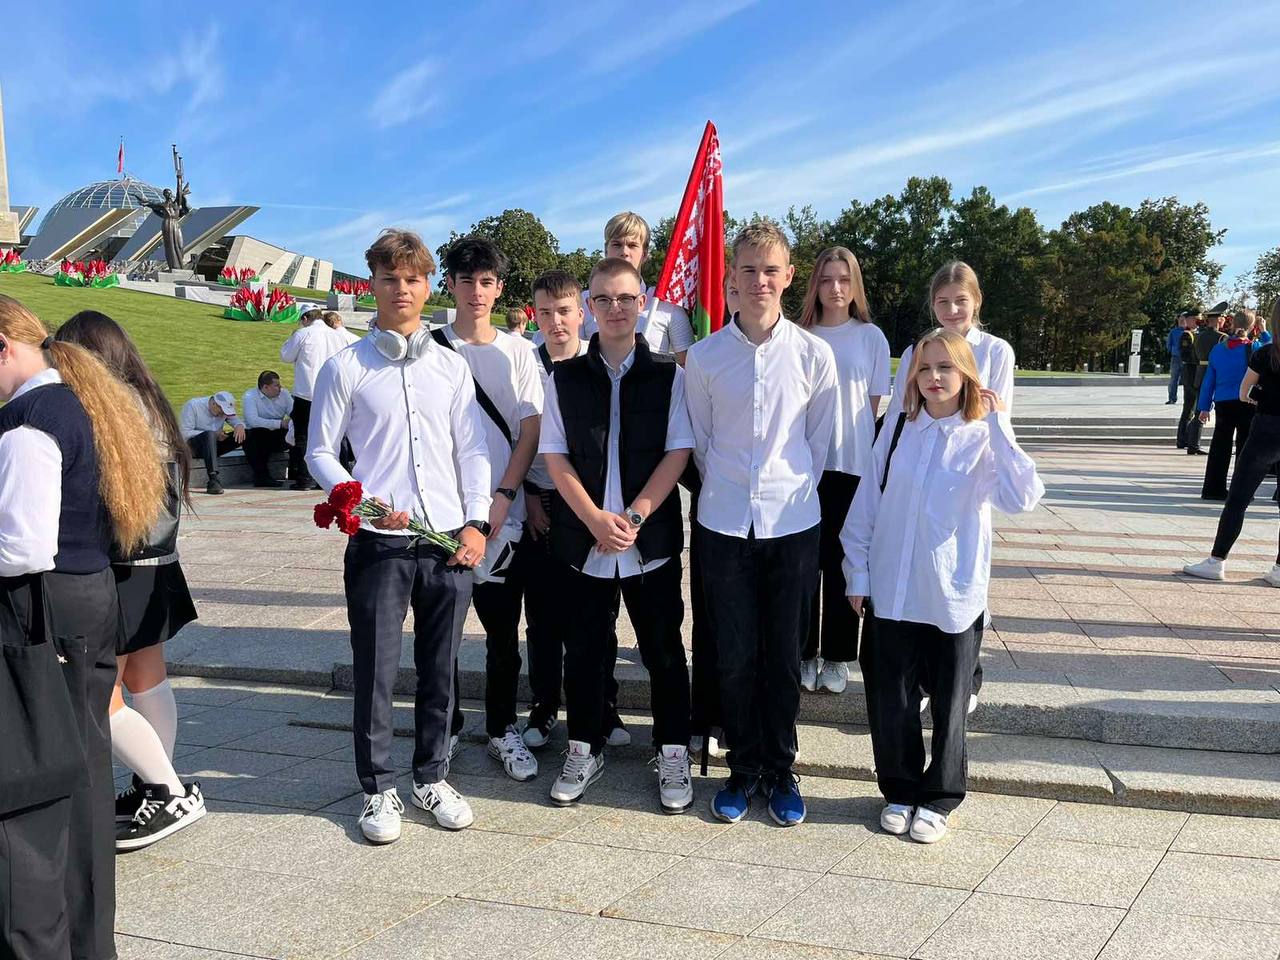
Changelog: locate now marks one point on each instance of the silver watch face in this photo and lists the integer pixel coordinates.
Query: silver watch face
(634, 518)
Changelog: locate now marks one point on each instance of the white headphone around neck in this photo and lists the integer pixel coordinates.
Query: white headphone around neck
(393, 346)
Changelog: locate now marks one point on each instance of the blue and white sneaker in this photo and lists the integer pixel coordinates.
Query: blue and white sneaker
(733, 800)
(786, 806)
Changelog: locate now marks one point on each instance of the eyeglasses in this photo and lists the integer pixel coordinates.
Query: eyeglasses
(626, 301)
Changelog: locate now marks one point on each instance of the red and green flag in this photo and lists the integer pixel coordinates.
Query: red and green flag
(693, 274)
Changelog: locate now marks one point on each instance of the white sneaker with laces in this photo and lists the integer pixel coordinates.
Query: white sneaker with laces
(834, 676)
(896, 818)
(446, 804)
(380, 818)
(809, 674)
(514, 755)
(675, 783)
(1273, 577)
(929, 826)
(1210, 568)
(580, 770)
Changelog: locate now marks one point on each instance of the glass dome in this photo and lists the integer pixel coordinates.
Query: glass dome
(107, 195)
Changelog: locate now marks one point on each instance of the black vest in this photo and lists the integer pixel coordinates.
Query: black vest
(84, 530)
(644, 401)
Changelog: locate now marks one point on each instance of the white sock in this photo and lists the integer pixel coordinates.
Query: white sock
(135, 744)
(161, 711)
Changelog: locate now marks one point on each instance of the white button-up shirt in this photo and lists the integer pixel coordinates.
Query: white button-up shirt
(762, 419)
(607, 565)
(196, 418)
(994, 358)
(538, 474)
(265, 412)
(308, 348)
(416, 430)
(922, 549)
(30, 493)
(664, 326)
(862, 372)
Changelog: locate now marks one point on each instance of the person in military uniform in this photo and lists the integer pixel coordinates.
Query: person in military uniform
(1189, 421)
(1207, 337)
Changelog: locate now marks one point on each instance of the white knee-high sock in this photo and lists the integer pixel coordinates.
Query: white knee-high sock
(161, 711)
(134, 742)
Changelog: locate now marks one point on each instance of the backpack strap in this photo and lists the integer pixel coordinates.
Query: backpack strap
(545, 356)
(486, 403)
(893, 445)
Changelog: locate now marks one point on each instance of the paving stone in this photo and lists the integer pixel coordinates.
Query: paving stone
(468, 930)
(221, 770)
(989, 927)
(299, 845)
(140, 948)
(1068, 769)
(713, 895)
(576, 877)
(1151, 936)
(294, 741)
(962, 859)
(1074, 872)
(212, 728)
(223, 825)
(871, 916)
(140, 865)
(1206, 781)
(1256, 837)
(1117, 826)
(754, 948)
(635, 822)
(604, 938)
(1232, 888)
(308, 785)
(818, 845)
(995, 813)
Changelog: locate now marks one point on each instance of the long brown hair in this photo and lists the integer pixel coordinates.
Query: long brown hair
(957, 271)
(106, 339)
(129, 473)
(811, 314)
(961, 354)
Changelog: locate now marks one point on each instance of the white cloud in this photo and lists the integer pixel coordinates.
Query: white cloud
(406, 97)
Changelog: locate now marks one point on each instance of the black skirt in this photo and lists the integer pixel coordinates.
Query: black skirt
(155, 603)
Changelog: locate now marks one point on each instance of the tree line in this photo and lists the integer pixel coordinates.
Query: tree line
(1064, 297)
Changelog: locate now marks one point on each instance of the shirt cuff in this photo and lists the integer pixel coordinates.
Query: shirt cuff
(858, 584)
(478, 509)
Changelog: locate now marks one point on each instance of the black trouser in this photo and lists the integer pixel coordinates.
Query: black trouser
(1233, 420)
(34, 922)
(895, 655)
(1189, 422)
(383, 576)
(705, 690)
(656, 610)
(758, 594)
(498, 607)
(211, 445)
(836, 637)
(1261, 450)
(259, 444)
(301, 428)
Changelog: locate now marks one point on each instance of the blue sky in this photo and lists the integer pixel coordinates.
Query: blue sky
(433, 117)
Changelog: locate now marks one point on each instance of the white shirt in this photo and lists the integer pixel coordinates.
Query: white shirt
(922, 549)
(862, 371)
(679, 437)
(30, 493)
(416, 430)
(196, 418)
(762, 418)
(307, 349)
(263, 411)
(993, 356)
(538, 474)
(664, 326)
(508, 373)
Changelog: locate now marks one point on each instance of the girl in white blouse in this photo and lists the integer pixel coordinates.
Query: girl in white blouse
(835, 310)
(917, 546)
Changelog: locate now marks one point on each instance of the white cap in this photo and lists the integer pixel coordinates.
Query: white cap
(226, 401)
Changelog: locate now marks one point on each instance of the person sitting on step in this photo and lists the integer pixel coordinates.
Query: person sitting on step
(267, 408)
(212, 430)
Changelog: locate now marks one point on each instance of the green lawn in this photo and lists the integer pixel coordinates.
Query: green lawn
(190, 348)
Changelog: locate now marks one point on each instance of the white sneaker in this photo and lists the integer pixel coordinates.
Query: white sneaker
(809, 674)
(1210, 568)
(973, 703)
(834, 676)
(924, 704)
(537, 728)
(580, 771)
(618, 737)
(1273, 577)
(444, 803)
(929, 826)
(380, 818)
(675, 783)
(713, 745)
(514, 756)
(896, 818)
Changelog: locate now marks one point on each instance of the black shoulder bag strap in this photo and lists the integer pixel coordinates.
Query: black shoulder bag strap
(893, 445)
(486, 403)
(545, 356)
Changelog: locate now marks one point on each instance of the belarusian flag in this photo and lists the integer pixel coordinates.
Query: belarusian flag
(693, 273)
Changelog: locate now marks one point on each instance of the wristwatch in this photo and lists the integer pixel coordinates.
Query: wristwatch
(634, 518)
(506, 492)
(481, 525)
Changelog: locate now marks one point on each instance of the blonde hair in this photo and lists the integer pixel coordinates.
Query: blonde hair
(764, 235)
(399, 248)
(130, 477)
(627, 224)
(812, 312)
(332, 319)
(1243, 320)
(961, 354)
(957, 271)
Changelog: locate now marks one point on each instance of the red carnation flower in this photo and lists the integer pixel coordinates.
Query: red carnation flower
(349, 524)
(345, 497)
(325, 514)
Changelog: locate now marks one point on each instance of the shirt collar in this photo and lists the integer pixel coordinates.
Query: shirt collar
(945, 424)
(779, 331)
(622, 367)
(974, 336)
(39, 380)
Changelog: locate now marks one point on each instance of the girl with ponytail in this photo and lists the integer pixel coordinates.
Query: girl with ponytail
(78, 475)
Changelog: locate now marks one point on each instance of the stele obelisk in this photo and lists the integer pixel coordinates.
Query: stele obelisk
(8, 219)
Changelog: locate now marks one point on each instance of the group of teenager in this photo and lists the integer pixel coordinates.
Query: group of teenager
(556, 466)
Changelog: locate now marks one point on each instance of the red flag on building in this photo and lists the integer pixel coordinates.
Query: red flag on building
(120, 157)
(693, 273)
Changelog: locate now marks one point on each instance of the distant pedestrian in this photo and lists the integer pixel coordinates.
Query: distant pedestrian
(1228, 364)
(1188, 423)
(1175, 359)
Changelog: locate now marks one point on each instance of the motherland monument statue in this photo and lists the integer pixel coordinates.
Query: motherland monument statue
(171, 209)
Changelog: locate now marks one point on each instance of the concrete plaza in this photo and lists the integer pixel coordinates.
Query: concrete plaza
(1129, 715)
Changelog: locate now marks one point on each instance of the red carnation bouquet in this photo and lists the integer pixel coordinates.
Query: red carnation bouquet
(347, 506)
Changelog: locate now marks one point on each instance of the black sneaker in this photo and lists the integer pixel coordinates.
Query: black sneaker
(215, 485)
(161, 814)
(129, 800)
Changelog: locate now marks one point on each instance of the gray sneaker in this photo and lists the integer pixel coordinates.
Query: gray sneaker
(581, 769)
(675, 783)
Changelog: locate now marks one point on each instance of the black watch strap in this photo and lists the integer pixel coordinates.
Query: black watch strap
(506, 492)
(481, 525)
